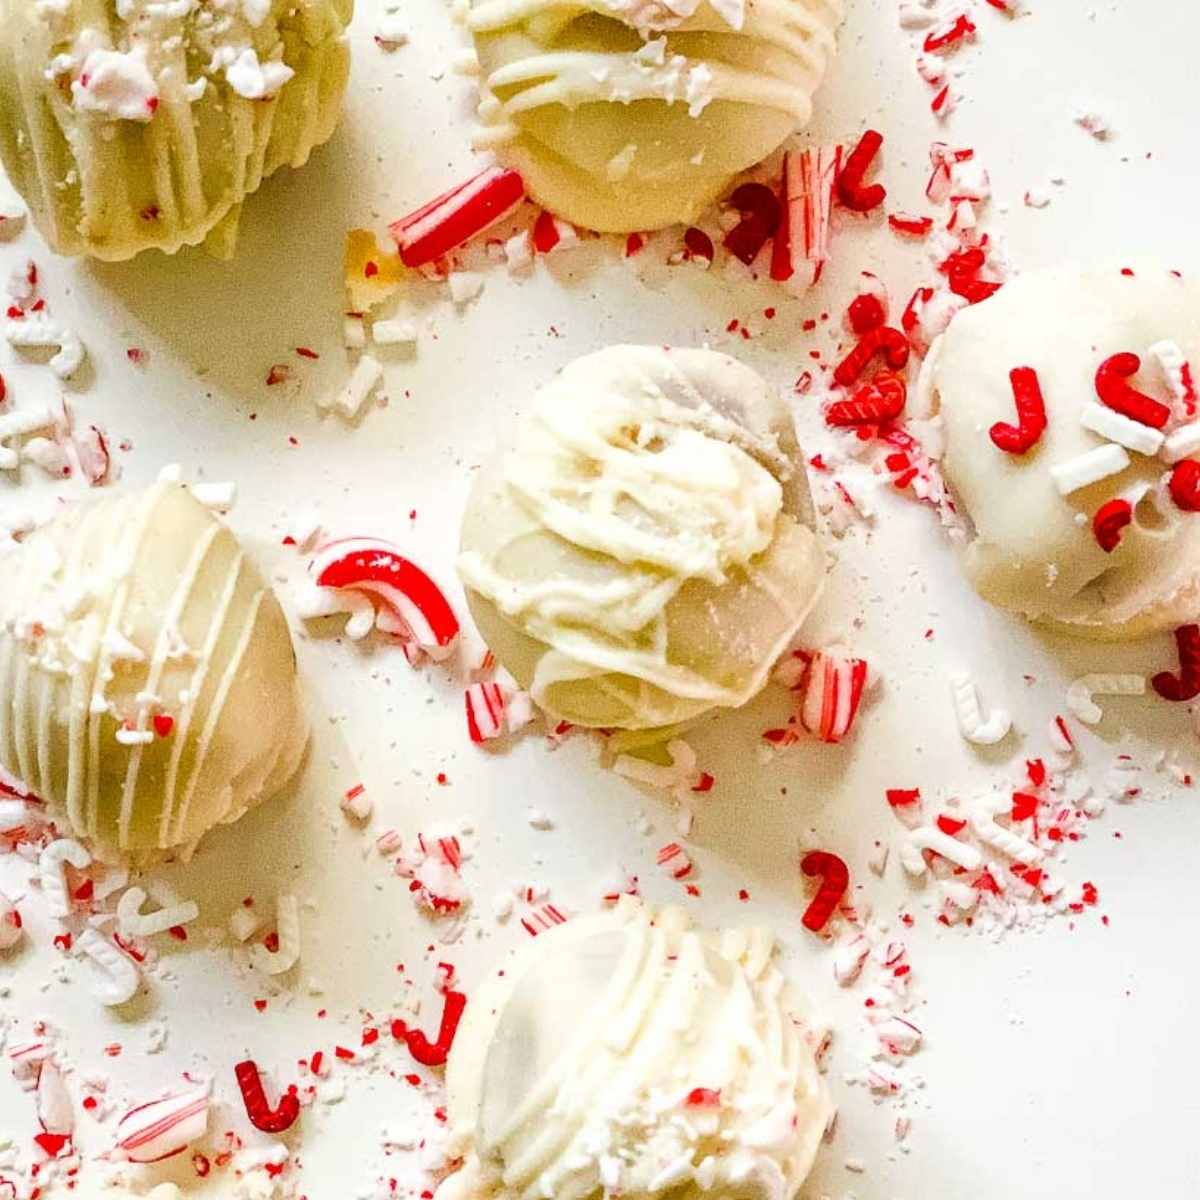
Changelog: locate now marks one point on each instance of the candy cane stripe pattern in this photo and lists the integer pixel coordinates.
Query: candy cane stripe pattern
(287, 929)
(929, 837)
(1112, 349)
(831, 694)
(50, 871)
(134, 923)
(654, 135)
(971, 723)
(163, 1128)
(1081, 692)
(485, 711)
(137, 711)
(986, 829)
(117, 978)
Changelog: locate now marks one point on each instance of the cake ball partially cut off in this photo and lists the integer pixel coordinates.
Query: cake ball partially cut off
(627, 1054)
(626, 115)
(1086, 516)
(148, 686)
(645, 551)
(132, 124)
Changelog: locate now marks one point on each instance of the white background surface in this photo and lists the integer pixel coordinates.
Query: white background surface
(1055, 1064)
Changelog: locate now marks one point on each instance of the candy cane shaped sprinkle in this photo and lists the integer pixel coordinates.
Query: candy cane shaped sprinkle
(485, 711)
(971, 723)
(1031, 414)
(1081, 691)
(287, 928)
(258, 1109)
(50, 871)
(1089, 468)
(885, 340)
(849, 960)
(831, 694)
(119, 977)
(1186, 685)
(1112, 386)
(1110, 522)
(1185, 485)
(457, 216)
(356, 804)
(807, 187)
(1114, 427)
(873, 403)
(988, 831)
(1177, 374)
(11, 925)
(53, 1102)
(434, 1054)
(542, 919)
(835, 880)
(674, 861)
(133, 923)
(852, 191)
(929, 837)
(379, 569)
(163, 1128)
(38, 331)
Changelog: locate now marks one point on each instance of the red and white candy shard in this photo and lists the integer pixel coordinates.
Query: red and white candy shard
(831, 693)
(801, 247)
(163, 1128)
(11, 929)
(412, 606)
(674, 860)
(53, 1101)
(485, 704)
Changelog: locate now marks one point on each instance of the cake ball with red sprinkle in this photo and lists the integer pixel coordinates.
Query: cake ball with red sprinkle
(127, 125)
(630, 1054)
(646, 550)
(1068, 418)
(148, 677)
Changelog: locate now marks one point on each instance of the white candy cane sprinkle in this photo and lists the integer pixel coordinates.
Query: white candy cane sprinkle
(1114, 427)
(971, 723)
(929, 837)
(133, 923)
(1080, 693)
(38, 331)
(17, 424)
(287, 927)
(983, 822)
(119, 977)
(1176, 371)
(1089, 468)
(50, 871)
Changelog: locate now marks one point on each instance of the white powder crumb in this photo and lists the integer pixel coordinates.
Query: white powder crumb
(465, 286)
(538, 819)
(1036, 198)
(394, 333)
(392, 32)
(1092, 121)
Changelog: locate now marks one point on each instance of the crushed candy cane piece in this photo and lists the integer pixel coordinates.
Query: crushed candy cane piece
(245, 922)
(287, 927)
(849, 959)
(119, 978)
(760, 212)
(356, 803)
(54, 1110)
(163, 1128)
(542, 919)
(485, 704)
(674, 861)
(1088, 468)
(11, 925)
(830, 694)
(364, 379)
(1081, 691)
(372, 274)
(971, 723)
(801, 246)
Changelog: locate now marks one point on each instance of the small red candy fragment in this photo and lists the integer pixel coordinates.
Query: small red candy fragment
(873, 403)
(1113, 388)
(944, 39)
(835, 879)
(434, 1054)
(761, 212)
(885, 340)
(851, 190)
(262, 1115)
(906, 223)
(1110, 522)
(902, 797)
(1031, 414)
(1185, 485)
(703, 1098)
(698, 244)
(545, 233)
(1186, 685)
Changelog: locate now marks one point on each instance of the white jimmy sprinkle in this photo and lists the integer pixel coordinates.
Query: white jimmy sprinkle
(1181, 444)
(367, 376)
(971, 723)
(1089, 468)
(1115, 427)
(394, 333)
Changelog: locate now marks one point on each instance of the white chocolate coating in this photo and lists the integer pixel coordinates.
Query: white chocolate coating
(1031, 548)
(572, 1068)
(140, 604)
(237, 91)
(635, 114)
(646, 551)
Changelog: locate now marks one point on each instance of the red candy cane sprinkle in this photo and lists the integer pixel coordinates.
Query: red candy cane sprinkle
(1113, 388)
(873, 403)
(851, 190)
(1031, 414)
(1186, 685)
(835, 879)
(262, 1115)
(1109, 523)
(761, 211)
(1185, 485)
(885, 340)
(434, 1054)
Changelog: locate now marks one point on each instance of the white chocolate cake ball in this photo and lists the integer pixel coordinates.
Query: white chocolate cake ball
(635, 114)
(130, 124)
(646, 550)
(625, 1055)
(1081, 530)
(148, 686)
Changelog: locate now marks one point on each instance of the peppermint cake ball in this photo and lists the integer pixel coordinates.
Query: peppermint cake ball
(148, 686)
(645, 551)
(634, 114)
(630, 1055)
(130, 124)
(1071, 434)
